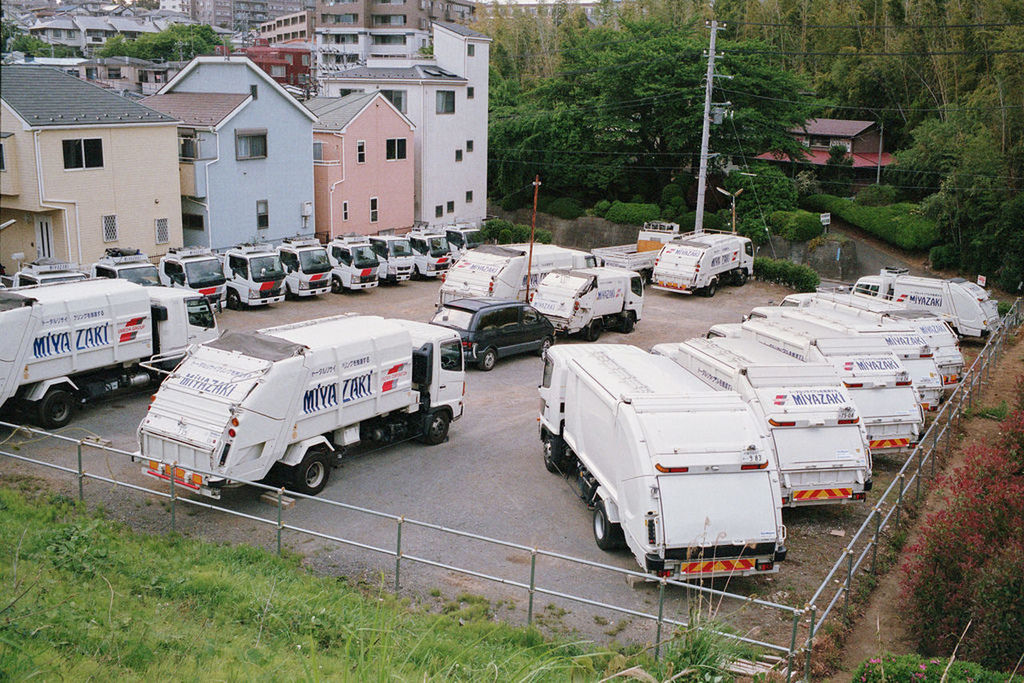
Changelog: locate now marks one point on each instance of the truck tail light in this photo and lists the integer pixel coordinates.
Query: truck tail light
(234, 422)
(651, 534)
(576, 305)
(927, 355)
(490, 287)
(231, 433)
(764, 565)
(755, 466)
(859, 496)
(904, 383)
(850, 421)
(670, 470)
(696, 268)
(776, 423)
(853, 385)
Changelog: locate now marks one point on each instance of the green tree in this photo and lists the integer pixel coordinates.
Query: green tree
(35, 47)
(179, 42)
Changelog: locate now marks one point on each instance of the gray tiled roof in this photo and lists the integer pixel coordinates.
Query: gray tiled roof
(44, 96)
(844, 128)
(462, 30)
(334, 113)
(419, 72)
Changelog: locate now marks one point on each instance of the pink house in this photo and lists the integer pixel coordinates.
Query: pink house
(362, 165)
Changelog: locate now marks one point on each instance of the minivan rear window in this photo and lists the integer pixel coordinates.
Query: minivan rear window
(453, 317)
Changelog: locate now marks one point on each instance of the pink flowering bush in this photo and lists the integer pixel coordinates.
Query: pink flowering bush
(916, 669)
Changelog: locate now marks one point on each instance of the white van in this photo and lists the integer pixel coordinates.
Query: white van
(679, 473)
(700, 262)
(430, 252)
(195, 268)
(353, 263)
(964, 305)
(820, 446)
(395, 256)
(500, 272)
(589, 300)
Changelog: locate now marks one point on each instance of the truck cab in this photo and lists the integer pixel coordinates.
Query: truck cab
(353, 263)
(396, 257)
(306, 266)
(431, 254)
(254, 276)
(181, 319)
(462, 238)
(46, 271)
(701, 262)
(195, 268)
(127, 264)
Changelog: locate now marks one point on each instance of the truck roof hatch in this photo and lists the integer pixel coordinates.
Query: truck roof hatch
(257, 345)
(12, 300)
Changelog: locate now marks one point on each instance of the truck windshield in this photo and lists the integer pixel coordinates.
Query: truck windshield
(142, 275)
(313, 261)
(266, 268)
(199, 313)
(438, 246)
(473, 239)
(363, 257)
(206, 272)
(400, 248)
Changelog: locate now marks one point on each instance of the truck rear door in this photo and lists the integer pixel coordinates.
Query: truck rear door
(730, 508)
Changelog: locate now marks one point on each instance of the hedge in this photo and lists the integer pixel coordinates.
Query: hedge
(633, 213)
(944, 256)
(504, 232)
(899, 224)
(601, 208)
(919, 669)
(799, 277)
(565, 207)
(796, 226)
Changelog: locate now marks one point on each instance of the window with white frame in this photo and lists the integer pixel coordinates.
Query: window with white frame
(163, 232)
(395, 149)
(262, 214)
(344, 211)
(373, 209)
(318, 151)
(445, 101)
(470, 50)
(361, 151)
(83, 153)
(250, 144)
(188, 147)
(110, 228)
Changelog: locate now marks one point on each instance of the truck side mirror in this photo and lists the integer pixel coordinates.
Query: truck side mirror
(422, 365)
(159, 313)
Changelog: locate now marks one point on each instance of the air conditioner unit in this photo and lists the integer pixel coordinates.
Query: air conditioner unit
(307, 209)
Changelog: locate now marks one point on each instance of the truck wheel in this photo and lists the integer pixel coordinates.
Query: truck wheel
(234, 301)
(488, 360)
(310, 476)
(554, 454)
(712, 287)
(593, 331)
(545, 345)
(608, 535)
(647, 276)
(336, 286)
(740, 277)
(628, 322)
(56, 408)
(436, 430)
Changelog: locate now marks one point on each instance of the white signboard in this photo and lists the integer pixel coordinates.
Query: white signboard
(826, 218)
(981, 280)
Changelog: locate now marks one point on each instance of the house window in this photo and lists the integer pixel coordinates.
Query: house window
(373, 209)
(344, 211)
(396, 97)
(262, 214)
(192, 221)
(110, 228)
(395, 149)
(163, 233)
(439, 210)
(469, 145)
(361, 152)
(87, 153)
(277, 71)
(470, 50)
(3, 162)
(469, 196)
(445, 101)
(470, 91)
(388, 40)
(305, 60)
(187, 146)
(113, 72)
(250, 145)
(318, 151)
(451, 207)
(458, 155)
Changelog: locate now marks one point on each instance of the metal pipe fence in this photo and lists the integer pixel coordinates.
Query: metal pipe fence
(860, 553)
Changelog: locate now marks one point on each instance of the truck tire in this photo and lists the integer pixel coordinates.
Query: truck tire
(740, 277)
(554, 454)
(56, 409)
(647, 275)
(628, 322)
(608, 535)
(488, 360)
(712, 287)
(336, 286)
(435, 429)
(592, 332)
(234, 301)
(545, 345)
(311, 475)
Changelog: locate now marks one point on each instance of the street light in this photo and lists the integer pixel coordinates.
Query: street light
(732, 196)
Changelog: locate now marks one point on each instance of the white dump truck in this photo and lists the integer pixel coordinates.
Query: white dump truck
(909, 347)
(700, 262)
(254, 274)
(639, 257)
(501, 271)
(430, 252)
(353, 263)
(396, 257)
(126, 264)
(589, 300)
(307, 270)
(936, 331)
(964, 305)
(876, 379)
(67, 344)
(819, 444)
(680, 474)
(462, 238)
(45, 271)
(285, 403)
(194, 268)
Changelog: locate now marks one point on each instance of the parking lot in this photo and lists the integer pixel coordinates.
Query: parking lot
(487, 479)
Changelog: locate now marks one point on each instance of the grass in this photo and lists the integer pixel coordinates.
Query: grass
(996, 412)
(86, 598)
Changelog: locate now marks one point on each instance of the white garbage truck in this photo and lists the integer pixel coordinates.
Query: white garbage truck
(126, 264)
(254, 276)
(396, 258)
(45, 271)
(306, 266)
(462, 238)
(283, 404)
(936, 331)
(964, 305)
(639, 257)
(877, 380)
(430, 252)
(501, 271)
(353, 264)
(701, 262)
(194, 268)
(590, 300)
(680, 474)
(818, 441)
(67, 344)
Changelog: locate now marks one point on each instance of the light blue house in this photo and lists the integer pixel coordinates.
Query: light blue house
(246, 154)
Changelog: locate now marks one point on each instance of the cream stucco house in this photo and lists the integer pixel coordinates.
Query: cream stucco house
(82, 169)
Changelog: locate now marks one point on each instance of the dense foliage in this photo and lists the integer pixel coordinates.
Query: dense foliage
(903, 224)
(178, 42)
(797, 226)
(800, 277)
(922, 670)
(500, 231)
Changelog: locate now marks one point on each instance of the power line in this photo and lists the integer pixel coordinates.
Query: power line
(867, 108)
(876, 27)
(944, 53)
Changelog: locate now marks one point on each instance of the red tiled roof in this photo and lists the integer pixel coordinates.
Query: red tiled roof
(819, 157)
(196, 108)
(840, 128)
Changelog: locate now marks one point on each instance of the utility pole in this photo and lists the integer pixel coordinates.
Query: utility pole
(702, 177)
(533, 229)
(881, 134)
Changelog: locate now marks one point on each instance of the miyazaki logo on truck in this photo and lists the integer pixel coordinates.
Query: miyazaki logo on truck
(56, 343)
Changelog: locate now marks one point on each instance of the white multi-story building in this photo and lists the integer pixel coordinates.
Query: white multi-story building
(446, 98)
